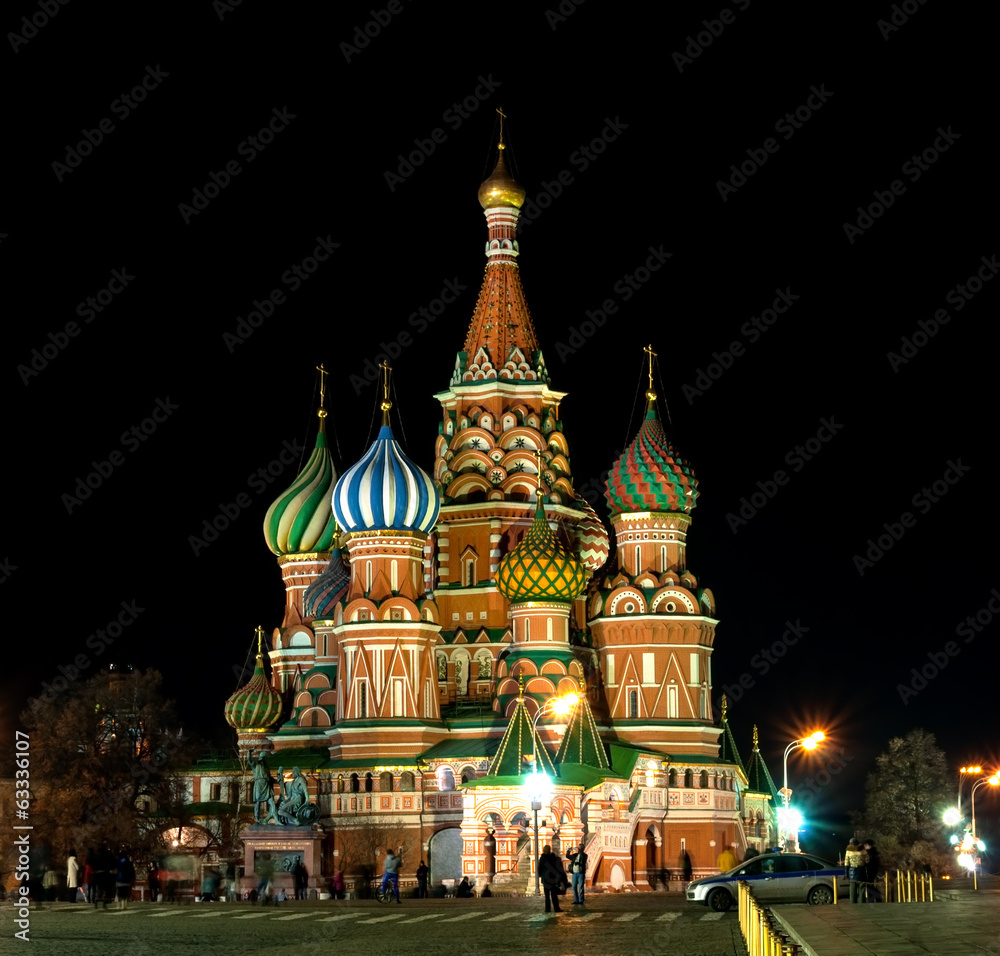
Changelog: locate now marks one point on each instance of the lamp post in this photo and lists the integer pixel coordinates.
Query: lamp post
(962, 774)
(993, 781)
(808, 743)
(539, 786)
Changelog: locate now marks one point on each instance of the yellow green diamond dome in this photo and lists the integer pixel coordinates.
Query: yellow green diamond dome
(540, 568)
(256, 705)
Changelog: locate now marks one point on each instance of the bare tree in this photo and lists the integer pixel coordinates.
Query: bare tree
(364, 840)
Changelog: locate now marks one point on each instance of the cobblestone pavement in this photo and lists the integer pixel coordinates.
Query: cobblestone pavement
(639, 925)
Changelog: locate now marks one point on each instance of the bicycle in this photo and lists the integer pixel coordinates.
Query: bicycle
(388, 891)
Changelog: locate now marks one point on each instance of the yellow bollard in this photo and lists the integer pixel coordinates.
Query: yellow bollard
(930, 886)
(899, 886)
(835, 882)
(886, 878)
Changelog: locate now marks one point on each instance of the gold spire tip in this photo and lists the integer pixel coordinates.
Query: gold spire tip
(503, 116)
(386, 403)
(260, 640)
(650, 394)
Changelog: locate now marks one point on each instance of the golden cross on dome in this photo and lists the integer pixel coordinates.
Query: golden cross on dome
(755, 737)
(386, 404)
(260, 638)
(503, 116)
(538, 472)
(650, 394)
(725, 704)
(322, 390)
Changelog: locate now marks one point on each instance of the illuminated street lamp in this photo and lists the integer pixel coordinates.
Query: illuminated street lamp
(977, 844)
(786, 821)
(539, 787)
(962, 773)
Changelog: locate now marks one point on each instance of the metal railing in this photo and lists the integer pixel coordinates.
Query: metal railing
(906, 886)
(760, 930)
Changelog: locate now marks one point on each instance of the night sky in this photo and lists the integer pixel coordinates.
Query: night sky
(843, 442)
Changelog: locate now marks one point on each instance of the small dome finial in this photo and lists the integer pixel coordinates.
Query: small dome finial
(321, 411)
(386, 403)
(755, 740)
(650, 394)
(725, 705)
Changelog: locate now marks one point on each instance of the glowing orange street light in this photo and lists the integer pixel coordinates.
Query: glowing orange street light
(806, 743)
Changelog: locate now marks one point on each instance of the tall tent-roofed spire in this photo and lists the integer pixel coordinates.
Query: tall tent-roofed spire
(758, 776)
(728, 750)
(301, 518)
(581, 743)
(520, 750)
(501, 341)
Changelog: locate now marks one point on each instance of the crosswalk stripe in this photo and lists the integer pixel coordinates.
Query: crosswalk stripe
(538, 918)
(590, 916)
(382, 919)
(252, 916)
(206, 915)
(420, 919)
(164, 913)
(329, 919)
(627, 917)
(709, 917)
(667, 917)
(457, 919)
(502, 916)
(295, 916)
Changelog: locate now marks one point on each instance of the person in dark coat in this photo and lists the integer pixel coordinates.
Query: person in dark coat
(553, 878)
(686, 866)
(153, 879)
(422, 872)
(301, 878)
(873, 870)
(124, 878)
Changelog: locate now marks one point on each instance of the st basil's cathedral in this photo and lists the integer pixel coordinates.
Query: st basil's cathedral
(433, 618)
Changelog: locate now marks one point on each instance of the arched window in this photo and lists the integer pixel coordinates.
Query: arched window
(368, 575)
(362, 700)
(663, 557)
(633, 704)
(672, 778)
(355, 783)
(445, 778)
(394, 575)
(340, 783)
(703, 780)
(406, 781)
(688, 778)
(368, 783)
(638, 559)
(385, 782)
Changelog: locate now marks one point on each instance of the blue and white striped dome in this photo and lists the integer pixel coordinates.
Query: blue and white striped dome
(386, 490)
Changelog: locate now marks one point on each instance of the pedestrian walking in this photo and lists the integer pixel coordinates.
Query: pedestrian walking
(124, 878)
(422, 873)
(72, 876)
(90, 877)
(686, 866)
(301, 878)
(726, 860)
(553, 878)
(577, 873)
(153, 881)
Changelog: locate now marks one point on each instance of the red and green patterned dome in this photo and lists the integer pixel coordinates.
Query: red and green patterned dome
(256, 706)
(650, 475)
(540, 568)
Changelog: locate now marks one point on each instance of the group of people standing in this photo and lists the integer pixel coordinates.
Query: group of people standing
(863, 870)
(554, 880)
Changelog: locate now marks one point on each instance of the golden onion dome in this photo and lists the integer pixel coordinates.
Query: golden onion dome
(540, 568)
(501, 189)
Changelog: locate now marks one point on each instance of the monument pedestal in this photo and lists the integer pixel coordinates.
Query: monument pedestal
(281, 846)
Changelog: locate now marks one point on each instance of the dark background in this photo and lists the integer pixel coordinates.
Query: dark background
(560, 81)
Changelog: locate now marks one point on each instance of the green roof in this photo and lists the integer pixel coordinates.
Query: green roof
(520, 742)
(727, 747)
(581, 743)
(481, 748)
(758, 777)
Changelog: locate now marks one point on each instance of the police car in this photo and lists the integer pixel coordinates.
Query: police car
(774, 878)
